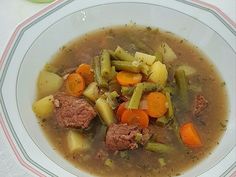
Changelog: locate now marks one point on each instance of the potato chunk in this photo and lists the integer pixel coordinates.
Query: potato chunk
(91, 92)
(167, 53)
(159, 73)
(43, 108)
(48, 83)
(77, 142)
(148, 59)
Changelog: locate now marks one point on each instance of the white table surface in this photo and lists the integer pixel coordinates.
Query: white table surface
(13, 12)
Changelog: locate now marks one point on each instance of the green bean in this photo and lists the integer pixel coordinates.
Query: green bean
(127, 90)
(123, 55)
(112, 54)
(162, 121)
(136, 97)
(97, 71)
(169, 89)
(158, 147)
(159, 56)
(113, 73)
(126, 66)
(105, 64)
(147, 87)
(182, 85)
(170, 106)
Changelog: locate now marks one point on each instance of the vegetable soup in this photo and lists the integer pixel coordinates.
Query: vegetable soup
(131, 101)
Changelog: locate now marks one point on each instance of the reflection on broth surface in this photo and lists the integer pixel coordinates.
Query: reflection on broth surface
(162, 106)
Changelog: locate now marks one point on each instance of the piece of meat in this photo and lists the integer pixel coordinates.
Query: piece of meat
(72, 112)
(200, 104)
(122, 136)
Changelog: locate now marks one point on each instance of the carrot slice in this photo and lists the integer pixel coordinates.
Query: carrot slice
(189, 135)
(135, 116)
(86, 72)
(121, 109)
(75, 84)
(156, 104)
(126, 78)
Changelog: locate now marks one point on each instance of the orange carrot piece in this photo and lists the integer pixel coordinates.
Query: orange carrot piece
(86, 72)
(121, 109)
(135, 117)
(189, 135)
(127, 78)
(156, 104)
(75, 84)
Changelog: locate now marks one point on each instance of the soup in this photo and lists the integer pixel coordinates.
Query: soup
(131, 101)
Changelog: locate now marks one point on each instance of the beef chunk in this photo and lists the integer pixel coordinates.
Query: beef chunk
(122, 136)
(73, 112)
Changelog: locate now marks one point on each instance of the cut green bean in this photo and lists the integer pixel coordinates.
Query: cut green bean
(126, 66)
(147, 87)
(97, 71)
(136, 97)
(158, 147)
(169, 89)
(182, 85)
(127, 90)
(105, 64)
(162, 121)
(170, 106)
(112, 54)
(123, 55)
(113, 73)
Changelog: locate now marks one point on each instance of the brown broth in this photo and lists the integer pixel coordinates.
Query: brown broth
(210, 125)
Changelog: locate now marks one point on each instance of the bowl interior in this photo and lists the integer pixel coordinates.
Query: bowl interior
(80, 22)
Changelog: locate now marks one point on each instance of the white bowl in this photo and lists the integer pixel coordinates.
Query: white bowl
(41, 38)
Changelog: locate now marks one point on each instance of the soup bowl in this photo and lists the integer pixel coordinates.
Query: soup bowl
(40, 39)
